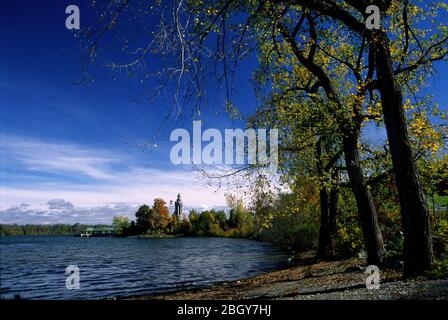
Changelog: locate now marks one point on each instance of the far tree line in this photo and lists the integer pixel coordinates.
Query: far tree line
(44, 229)
(157, 221)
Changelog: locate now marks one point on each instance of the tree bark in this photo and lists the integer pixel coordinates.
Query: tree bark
(418, 253)
(366, 208)
(324, 234)
(328, 212)
(333, 208)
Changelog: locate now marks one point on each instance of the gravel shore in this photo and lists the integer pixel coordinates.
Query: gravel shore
(333, 280)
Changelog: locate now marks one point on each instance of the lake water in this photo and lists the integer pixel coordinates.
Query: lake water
(34, 266)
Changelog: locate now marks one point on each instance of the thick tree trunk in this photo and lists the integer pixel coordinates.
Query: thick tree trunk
(367, 212)
(418, 254)
(333, 208)
(324, 232)
(328, 213)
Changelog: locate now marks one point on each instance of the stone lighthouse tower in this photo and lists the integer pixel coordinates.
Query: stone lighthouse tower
(178, 208)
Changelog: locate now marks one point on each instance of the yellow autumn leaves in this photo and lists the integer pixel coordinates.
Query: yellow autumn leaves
(421, 130)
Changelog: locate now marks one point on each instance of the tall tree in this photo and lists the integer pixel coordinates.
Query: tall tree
(120, 224)
(419, 49)
(142, 218)
(162, 211)
(324, 75)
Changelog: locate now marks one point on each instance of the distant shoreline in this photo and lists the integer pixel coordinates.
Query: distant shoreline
(142, 236)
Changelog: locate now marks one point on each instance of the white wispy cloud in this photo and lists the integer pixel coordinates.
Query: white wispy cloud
(61, 158)
(67, 215)
(71, 214)
(109, 178)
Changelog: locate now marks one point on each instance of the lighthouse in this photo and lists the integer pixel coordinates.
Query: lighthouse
(178, 208)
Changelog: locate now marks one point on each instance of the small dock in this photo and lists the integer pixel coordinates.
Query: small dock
(97, 232)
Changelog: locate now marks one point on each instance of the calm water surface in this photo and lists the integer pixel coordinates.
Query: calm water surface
(34, 266)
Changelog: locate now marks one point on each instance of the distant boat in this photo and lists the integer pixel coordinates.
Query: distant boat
(97, 232)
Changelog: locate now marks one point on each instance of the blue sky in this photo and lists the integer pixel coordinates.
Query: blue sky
(73, 153)
(84, 145)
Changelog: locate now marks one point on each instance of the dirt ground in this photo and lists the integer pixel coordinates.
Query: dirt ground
(333, 280)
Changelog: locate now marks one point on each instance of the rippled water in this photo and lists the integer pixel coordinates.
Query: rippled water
(34, 267)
